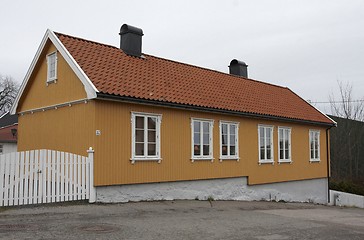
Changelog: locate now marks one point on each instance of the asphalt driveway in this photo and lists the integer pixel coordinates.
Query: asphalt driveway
(182, 220)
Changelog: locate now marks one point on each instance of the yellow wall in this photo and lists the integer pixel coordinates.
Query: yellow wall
(113, 149)
(67, 87)
(68, 129)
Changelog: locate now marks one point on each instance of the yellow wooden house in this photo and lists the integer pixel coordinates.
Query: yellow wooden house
(162, 129)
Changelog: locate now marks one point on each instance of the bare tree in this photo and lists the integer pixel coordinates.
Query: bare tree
(346, 141)
(8, 91)
(347, 107)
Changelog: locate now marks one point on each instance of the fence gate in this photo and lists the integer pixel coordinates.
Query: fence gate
(45, 176)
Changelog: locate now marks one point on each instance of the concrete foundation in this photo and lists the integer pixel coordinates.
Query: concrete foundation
(314, 190)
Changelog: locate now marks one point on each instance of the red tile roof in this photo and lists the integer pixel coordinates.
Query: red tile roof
(157, 79)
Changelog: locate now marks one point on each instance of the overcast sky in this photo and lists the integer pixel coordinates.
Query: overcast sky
(304, 45)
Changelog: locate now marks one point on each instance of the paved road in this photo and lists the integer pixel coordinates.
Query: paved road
(182, 220)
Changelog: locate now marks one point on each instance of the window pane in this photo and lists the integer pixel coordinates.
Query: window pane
(269, 156)
(281, 154)
(196, 138)
(261, 132)
(224, 128)
(262, 153)
(196, 150)
(286, 154)
(312, 156)
(196, 126)
(151, 136)
(232, 150)
(151, 122)
(139, 122)
(286, 147)
(224, 150)
(281, 144)
(206, 127)
(206, 138)
(139, 135)
(151, 149)
(232, 129)
(139, 149)
(206, 150)
(224, 139)
(232, 140)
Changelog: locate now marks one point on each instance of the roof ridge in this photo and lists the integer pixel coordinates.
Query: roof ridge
(85, 40)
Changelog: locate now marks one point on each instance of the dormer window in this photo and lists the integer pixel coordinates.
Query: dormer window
(52, 67)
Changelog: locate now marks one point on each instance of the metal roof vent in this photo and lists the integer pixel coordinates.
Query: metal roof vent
(238, 68)
(131, 40)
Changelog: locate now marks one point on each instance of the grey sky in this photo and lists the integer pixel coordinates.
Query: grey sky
(304, 45)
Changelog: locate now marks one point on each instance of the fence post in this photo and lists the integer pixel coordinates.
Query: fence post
(90, 152)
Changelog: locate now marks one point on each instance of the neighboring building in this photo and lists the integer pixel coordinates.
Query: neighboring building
(168, 130)
(8, 133)
(347, 150)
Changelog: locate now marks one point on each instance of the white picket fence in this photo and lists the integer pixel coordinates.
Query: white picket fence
(45, 176)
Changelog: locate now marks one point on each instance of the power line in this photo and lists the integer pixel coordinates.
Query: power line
(345, 101)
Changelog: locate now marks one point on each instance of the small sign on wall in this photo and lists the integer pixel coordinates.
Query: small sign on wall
(98, 132)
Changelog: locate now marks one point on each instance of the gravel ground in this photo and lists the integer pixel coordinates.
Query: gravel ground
(182, 220)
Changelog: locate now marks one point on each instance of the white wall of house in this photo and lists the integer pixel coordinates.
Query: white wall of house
(9, 147)
(315, 190)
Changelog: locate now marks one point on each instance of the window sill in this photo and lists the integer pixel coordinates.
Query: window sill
(315, 160)
(229, 159)
(266, 162)
(49, 81)
(285, 161)
(203, 159)
(133, 160)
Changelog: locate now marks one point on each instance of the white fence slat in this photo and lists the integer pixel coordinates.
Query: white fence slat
(78, 178)
(62, 194)
(53, 199)
(57, 182)
(17, 178)
(36, 175)
(26, 178)
(41, 176)
(31, 182)
(67, 164)
(83, 181)
(21, 180)
(2, 178)
(11, 180)
(49, 179)
(6, 186)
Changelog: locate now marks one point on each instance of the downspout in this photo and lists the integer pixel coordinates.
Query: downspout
(328, 163)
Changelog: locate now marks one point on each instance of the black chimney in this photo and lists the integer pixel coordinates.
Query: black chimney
(238, 68)
(131, 40)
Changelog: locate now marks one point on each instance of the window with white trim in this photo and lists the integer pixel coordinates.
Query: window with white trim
(314, 145)
(284, 144)
(52, 67)
(265, 138)
(202, 139)
(228, 140)
(145, 136)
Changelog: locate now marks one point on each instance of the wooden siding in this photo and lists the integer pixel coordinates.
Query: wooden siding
(68, 129)
(38, 94)
(113, 149)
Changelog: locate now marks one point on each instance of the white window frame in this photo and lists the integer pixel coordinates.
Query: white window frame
(312, 134)
(211, 125)
(49, 78)
(289, 159)
(271, 144)
(229, 156)
(156, 157)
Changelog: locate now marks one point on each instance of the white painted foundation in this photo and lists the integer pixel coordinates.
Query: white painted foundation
(314, 190)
